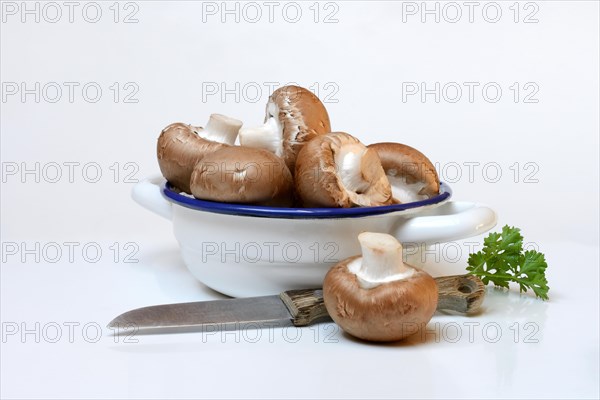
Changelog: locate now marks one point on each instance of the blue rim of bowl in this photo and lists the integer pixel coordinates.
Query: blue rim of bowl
(295, 213)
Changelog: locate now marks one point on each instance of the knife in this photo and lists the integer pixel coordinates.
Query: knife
(303, 307)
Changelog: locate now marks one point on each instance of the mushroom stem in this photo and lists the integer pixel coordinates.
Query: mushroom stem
(348, 162)
(221, 129)
(381, 260)
(269, 136)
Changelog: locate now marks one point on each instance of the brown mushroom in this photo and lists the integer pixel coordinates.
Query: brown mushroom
(376, 296)
(294, 116)
(337, 170)
(412, 176)
(180, 146)
(238, 174)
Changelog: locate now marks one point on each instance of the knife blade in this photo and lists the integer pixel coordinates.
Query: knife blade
(460, 293)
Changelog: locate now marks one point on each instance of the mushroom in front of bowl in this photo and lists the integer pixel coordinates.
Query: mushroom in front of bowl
(376, 296)
(180, 146)
(337, 170)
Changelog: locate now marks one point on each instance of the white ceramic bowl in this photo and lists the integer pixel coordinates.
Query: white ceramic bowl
(242, 250)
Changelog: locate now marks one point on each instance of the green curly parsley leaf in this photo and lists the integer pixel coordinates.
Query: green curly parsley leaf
(502, 261)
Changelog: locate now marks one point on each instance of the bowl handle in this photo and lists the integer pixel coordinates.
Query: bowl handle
(148, 194)
(453, 220)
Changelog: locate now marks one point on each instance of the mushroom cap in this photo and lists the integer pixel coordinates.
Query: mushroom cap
(179, 148)
(405, 162)
(302, 117)
(238, 174)
(385, 313)
(319, 182)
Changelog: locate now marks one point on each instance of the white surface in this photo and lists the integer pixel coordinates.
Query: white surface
(366, 56)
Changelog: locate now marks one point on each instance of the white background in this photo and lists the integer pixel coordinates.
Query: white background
(361, 63)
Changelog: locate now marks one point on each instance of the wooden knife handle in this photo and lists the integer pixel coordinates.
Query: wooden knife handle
(305, 305)
(461, 293)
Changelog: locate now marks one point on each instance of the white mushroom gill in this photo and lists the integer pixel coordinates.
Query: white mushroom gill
(221, 129)
(348, 160)
(269, 136)
(381, 260)
(406, 192)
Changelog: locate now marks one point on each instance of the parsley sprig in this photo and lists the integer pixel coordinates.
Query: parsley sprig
(502, 260)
